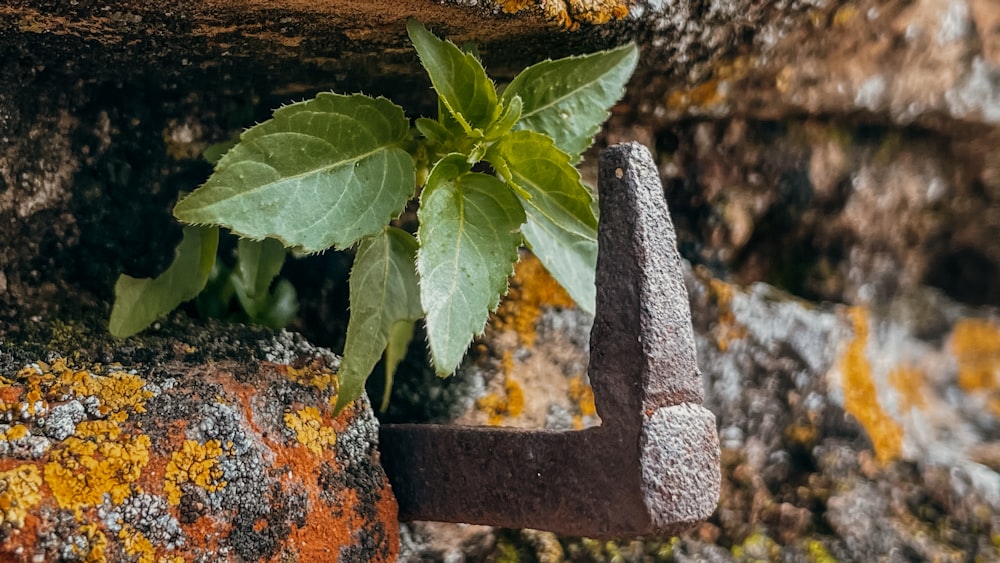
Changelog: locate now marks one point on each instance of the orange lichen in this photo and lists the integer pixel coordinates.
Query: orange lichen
(710, 93)
(195, 463)
(532, 288)
(310, 431)
(727, 328)
(81, 470)
(861, 397)
(515, 6)
(15, 432)
(20, 489)
(97, 542)
(510, 403)
(801, 434)
(582, 396)
(569, 14)
(909, 382)
(976, 346)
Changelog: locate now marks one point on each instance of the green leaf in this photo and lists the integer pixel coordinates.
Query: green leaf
(257, 264)
(384, 291)
(561, 229)
(281, 308)
(139, 302)
(507, 121)
(400, 336)
(433, 130)
(215, 152)
(468, 246)
(458, 77)
(320, 173)
(569, 98)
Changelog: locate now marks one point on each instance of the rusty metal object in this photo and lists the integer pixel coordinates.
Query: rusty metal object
(652, 467)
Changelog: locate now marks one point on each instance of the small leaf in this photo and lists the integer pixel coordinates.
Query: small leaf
(400, 336)
(139, 302)
(320, 173)
(384, 291)
(257, 264)
(433, 130)
(569, 98)
(507, 121)
(561, 229)
(468, 246)
(281, 308)
(458, 77)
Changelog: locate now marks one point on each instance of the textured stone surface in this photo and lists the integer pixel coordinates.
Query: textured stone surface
(841, 150)
(187, 445)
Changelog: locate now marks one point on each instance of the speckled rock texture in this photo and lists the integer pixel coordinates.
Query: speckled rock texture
(189, 444)
(831, 167)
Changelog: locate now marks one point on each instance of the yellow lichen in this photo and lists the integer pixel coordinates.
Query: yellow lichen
(310, 430)
(582, 396)
(137, 545)
(19, 491)
(118, 391)
(845, 15)
(711, 92)
(316, 374)
(976, 346)
(80, 471)
(756, 546)
(909, 383)
(509, 404)
(15, 432)
(515, 6)
(861, 397)
(195, 463)
(801, 434)
(97, 542)
(818, 553)
(531, 289)
(569, 14)
(727, 329)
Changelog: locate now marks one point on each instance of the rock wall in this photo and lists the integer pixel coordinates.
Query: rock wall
(831, 167)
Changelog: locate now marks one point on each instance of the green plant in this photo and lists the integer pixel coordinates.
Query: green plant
(334, 171)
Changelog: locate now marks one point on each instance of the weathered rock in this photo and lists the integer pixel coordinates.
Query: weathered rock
(842, 150)
(832, 210)
(193, 444)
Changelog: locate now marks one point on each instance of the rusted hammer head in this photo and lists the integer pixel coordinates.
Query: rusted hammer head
(652, 467)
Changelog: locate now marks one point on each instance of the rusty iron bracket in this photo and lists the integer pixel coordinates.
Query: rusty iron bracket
(652, 466)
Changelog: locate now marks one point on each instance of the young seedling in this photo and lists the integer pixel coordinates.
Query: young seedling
(334, 171)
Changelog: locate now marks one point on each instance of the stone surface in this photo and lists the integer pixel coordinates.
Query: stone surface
(843, 151)
(189, 444)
